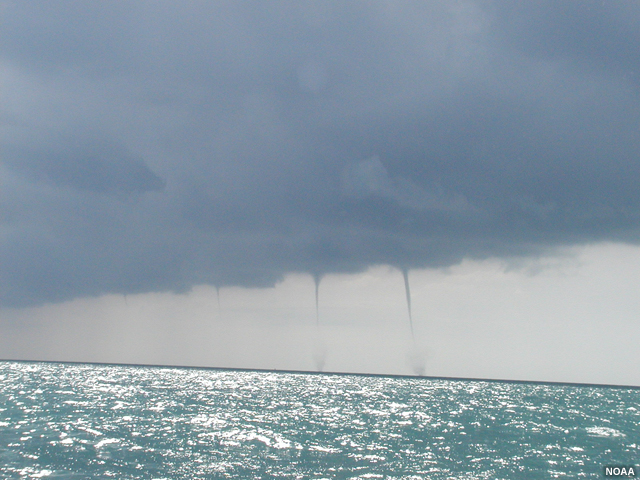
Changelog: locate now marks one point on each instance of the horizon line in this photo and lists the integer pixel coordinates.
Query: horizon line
(312, 372)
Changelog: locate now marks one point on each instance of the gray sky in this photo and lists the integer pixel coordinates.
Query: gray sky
(148, 148)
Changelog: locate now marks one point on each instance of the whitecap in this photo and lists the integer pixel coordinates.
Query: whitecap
(605, 432)
(106, 441)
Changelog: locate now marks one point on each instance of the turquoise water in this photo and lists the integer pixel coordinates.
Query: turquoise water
(99, 421)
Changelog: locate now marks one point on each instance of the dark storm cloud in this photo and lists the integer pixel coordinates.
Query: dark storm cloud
(153, 145)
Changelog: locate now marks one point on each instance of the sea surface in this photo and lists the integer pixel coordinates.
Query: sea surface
(87, 421)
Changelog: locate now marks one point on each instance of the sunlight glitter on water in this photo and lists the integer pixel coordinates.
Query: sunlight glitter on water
(98, 421)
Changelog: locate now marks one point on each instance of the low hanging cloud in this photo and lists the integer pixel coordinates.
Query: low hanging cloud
(92, 166)
(369, 178)
(155, 146)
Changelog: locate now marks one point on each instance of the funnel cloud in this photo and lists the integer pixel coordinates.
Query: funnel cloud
(405, 275)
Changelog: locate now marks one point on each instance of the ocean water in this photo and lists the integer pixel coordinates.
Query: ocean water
(83, 421)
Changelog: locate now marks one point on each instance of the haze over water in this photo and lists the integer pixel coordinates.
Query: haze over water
(104, 421)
